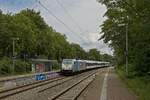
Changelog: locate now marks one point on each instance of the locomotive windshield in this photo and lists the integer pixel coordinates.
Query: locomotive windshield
(67, 62)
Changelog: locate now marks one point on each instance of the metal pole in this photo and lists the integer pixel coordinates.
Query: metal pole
(127, 50)
(13, 55)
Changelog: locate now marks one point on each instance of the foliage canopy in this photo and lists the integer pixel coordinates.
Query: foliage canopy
(135, 15)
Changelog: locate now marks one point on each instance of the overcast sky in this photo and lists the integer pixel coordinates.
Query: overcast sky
(83, 17)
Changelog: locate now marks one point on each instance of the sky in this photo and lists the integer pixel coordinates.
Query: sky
(83, 17)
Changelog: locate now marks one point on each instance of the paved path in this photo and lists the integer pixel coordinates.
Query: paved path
(116, 89)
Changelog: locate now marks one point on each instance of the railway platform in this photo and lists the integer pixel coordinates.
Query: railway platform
(107, 86)
(9, 82)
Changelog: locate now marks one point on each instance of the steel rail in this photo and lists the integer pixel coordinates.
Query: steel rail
(70, 87)
(16, 90)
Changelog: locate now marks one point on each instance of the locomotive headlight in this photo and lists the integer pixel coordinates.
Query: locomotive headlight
(66, 66)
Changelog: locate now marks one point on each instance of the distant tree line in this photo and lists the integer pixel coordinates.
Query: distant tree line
(133, 17)
(35, 39)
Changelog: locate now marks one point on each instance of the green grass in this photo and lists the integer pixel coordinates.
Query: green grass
(139, 84)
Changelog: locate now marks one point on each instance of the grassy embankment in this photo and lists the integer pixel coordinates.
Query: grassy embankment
(139, 84)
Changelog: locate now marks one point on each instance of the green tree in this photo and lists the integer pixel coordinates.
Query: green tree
(94, 54)
(135, 15)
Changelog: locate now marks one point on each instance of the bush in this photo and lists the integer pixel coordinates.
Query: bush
(5, 66)
(55, 66)
(22, 66)
(139, 84)
(7, 69)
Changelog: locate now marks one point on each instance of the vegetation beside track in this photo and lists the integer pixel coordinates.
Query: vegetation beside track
(127, 31)
(21, 67)
(140, 85)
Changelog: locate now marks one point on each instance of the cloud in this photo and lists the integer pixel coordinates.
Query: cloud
(88, 14)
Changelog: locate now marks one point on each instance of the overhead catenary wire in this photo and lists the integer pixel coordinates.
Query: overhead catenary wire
(52, 14)
(65, 25)
(67, 12)
(73, 20)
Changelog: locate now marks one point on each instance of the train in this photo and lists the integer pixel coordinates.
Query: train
(73, 65)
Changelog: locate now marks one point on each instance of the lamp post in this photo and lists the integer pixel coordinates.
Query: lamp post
(126, 50)
(14, 39)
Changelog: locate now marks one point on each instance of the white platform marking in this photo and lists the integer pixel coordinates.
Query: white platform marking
(104, 88)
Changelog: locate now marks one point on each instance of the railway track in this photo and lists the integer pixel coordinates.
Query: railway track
(50, 89)
(69, 90)
(19, 89)
(73, 92)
